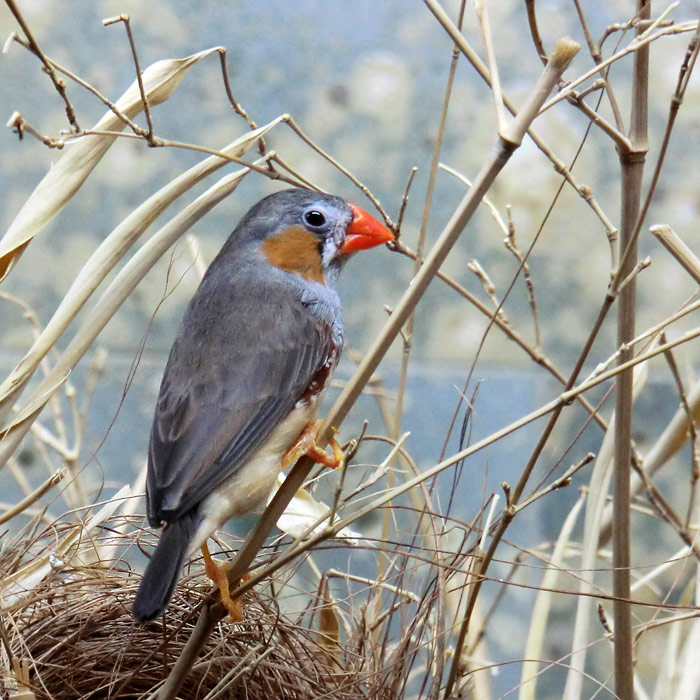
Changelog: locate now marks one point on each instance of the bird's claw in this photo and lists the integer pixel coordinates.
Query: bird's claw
(305, 445)
(217, 573)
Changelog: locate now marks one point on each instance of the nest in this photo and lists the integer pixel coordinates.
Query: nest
(74, 636)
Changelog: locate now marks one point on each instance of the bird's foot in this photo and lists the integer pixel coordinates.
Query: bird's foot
(217, 573)
(305, 445)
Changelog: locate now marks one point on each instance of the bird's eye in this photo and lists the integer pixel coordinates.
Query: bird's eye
(314, 218)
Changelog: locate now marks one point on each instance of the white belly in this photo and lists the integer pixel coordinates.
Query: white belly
(249, 487)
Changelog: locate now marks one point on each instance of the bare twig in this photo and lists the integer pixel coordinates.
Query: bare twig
(404, 199)
(34, 496)
(48, 66)
(535, 32)
(693, 434)
(620, 139)
(237, 108)
(595, 52)
(20, 126)
(482, 15)
(558, 483)
(489, 287)
(512, 246)
(134, 53)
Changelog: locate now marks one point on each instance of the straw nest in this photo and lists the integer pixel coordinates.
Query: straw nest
(72, 633)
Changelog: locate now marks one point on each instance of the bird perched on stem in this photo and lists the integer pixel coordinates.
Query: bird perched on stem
(246, 374)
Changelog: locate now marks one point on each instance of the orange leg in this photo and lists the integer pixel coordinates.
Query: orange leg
(217, 573)
(305, 445)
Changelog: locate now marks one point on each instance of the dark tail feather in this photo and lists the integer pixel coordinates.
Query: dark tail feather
(163, 570)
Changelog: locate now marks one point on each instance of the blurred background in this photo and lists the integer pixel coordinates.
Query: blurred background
(366, 81)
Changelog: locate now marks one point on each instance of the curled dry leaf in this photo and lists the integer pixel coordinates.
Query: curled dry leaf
(81, 156)
(305, 512)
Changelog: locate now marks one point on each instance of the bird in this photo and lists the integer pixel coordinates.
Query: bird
(251, 361)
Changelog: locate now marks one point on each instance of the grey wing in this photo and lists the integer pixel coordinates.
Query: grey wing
(239, 364)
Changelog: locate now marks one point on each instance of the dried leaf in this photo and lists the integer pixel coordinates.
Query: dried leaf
(304, 512)
(30, 410)
(329, 626)
(81, 156)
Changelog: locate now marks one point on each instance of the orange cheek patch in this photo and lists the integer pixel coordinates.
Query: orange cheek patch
(295, 250)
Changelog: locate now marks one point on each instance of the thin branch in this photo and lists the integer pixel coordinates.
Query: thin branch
(534, 31)
(560, 482)
(139, 79)
(404, 199)
(482, 15)
(20, 126)
(475, 266)
(455, 34)
(293, 172)
(512, 246)
(34, 496)
(632, 277)
(595, 52)
(692, 431)
(622, 142)
(237, 108)
(33, 45)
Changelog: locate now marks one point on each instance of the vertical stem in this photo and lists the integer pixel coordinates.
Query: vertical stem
(632, 164)
(631, 181)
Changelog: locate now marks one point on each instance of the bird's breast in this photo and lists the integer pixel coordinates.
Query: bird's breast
(248, 488)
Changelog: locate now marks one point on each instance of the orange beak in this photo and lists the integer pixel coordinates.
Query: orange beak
(364, 232)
